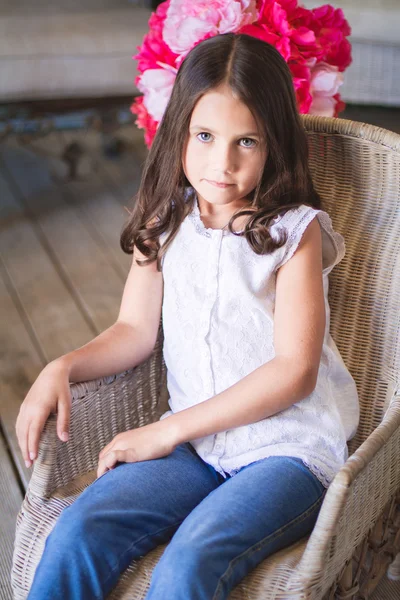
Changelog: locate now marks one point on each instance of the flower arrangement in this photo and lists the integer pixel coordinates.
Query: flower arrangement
(313, 43)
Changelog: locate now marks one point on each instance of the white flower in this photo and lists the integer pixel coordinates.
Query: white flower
(156, 85)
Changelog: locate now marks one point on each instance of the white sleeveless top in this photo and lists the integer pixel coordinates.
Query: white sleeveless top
(218, 322)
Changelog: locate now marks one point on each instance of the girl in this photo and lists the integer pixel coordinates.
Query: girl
(229, 241)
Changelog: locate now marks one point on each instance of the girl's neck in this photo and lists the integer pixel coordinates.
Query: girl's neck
(207, 209)
(218, 216)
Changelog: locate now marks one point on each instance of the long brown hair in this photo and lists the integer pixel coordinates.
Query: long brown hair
(261, 79)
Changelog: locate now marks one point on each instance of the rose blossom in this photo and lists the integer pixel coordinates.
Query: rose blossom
(312, 42)
(144, 120)
(325, 82)
(156, 85)
(188, 23)
(325, 79)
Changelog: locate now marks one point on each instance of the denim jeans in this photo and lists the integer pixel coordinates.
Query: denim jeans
(220, 528)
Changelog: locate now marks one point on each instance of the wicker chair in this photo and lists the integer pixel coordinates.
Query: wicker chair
(356, 168)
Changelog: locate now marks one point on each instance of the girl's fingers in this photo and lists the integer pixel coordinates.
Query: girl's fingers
(33, 439)
(110, 460)
(18, 432)
(29, 431)
(63, 419)
(105, 464)
(106, 449)
(117, 440)
(23, 442)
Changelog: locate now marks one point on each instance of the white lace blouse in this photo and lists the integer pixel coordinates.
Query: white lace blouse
(218, 321)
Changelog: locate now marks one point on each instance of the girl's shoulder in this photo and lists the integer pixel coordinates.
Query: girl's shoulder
(295, 221)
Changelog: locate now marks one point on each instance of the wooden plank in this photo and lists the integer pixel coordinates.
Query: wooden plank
(11, 499)
(53, 270)
(40, 283)
(82, 261)
(20, 363)
(94, 200)
(42, 320)
(122, 173)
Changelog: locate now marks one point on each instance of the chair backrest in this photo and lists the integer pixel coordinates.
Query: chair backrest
(356, 169)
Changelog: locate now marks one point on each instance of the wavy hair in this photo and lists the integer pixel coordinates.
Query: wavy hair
(259, 76)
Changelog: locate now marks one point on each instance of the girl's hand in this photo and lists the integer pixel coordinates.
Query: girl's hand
(50, 393)
(144, 443)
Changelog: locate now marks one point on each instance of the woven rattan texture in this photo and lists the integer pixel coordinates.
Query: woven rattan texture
(356, 169)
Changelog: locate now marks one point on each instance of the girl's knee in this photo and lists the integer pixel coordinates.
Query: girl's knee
(192, 544)
(73, 527)
(179, 561)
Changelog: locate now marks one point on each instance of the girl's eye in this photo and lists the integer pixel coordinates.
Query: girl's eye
(203, 133)
(252, 142)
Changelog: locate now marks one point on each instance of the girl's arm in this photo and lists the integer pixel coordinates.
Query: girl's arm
(131, 339)
(299, 326)
(128, 342)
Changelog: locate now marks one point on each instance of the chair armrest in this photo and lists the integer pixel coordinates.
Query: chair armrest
(100, 410)
(356, 498)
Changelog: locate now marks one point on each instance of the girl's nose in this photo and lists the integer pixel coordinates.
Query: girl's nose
(224, 160)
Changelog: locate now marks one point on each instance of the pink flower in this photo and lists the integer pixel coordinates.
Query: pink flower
(156, 85)
(301, 81)
(187, 23)
(312, 42)
(325, 83)
(144, 120)
(154, 49)
(332, 18)
(295, 41)
(340, 105)
(323, 106)
(325, 80)
(331, 29)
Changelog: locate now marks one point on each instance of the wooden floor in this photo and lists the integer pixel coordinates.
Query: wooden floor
(62, 275)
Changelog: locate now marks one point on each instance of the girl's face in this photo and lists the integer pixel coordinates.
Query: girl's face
(223, 147)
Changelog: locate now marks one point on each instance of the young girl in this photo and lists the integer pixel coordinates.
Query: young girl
(230, 243)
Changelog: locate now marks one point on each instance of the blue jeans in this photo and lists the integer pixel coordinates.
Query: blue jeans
(220, 528)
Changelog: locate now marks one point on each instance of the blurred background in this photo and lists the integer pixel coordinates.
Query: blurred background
(70, 162)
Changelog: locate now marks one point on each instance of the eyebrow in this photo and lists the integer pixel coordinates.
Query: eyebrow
(241, 135)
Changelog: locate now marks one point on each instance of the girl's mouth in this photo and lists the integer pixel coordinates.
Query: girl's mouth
(219, 185)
